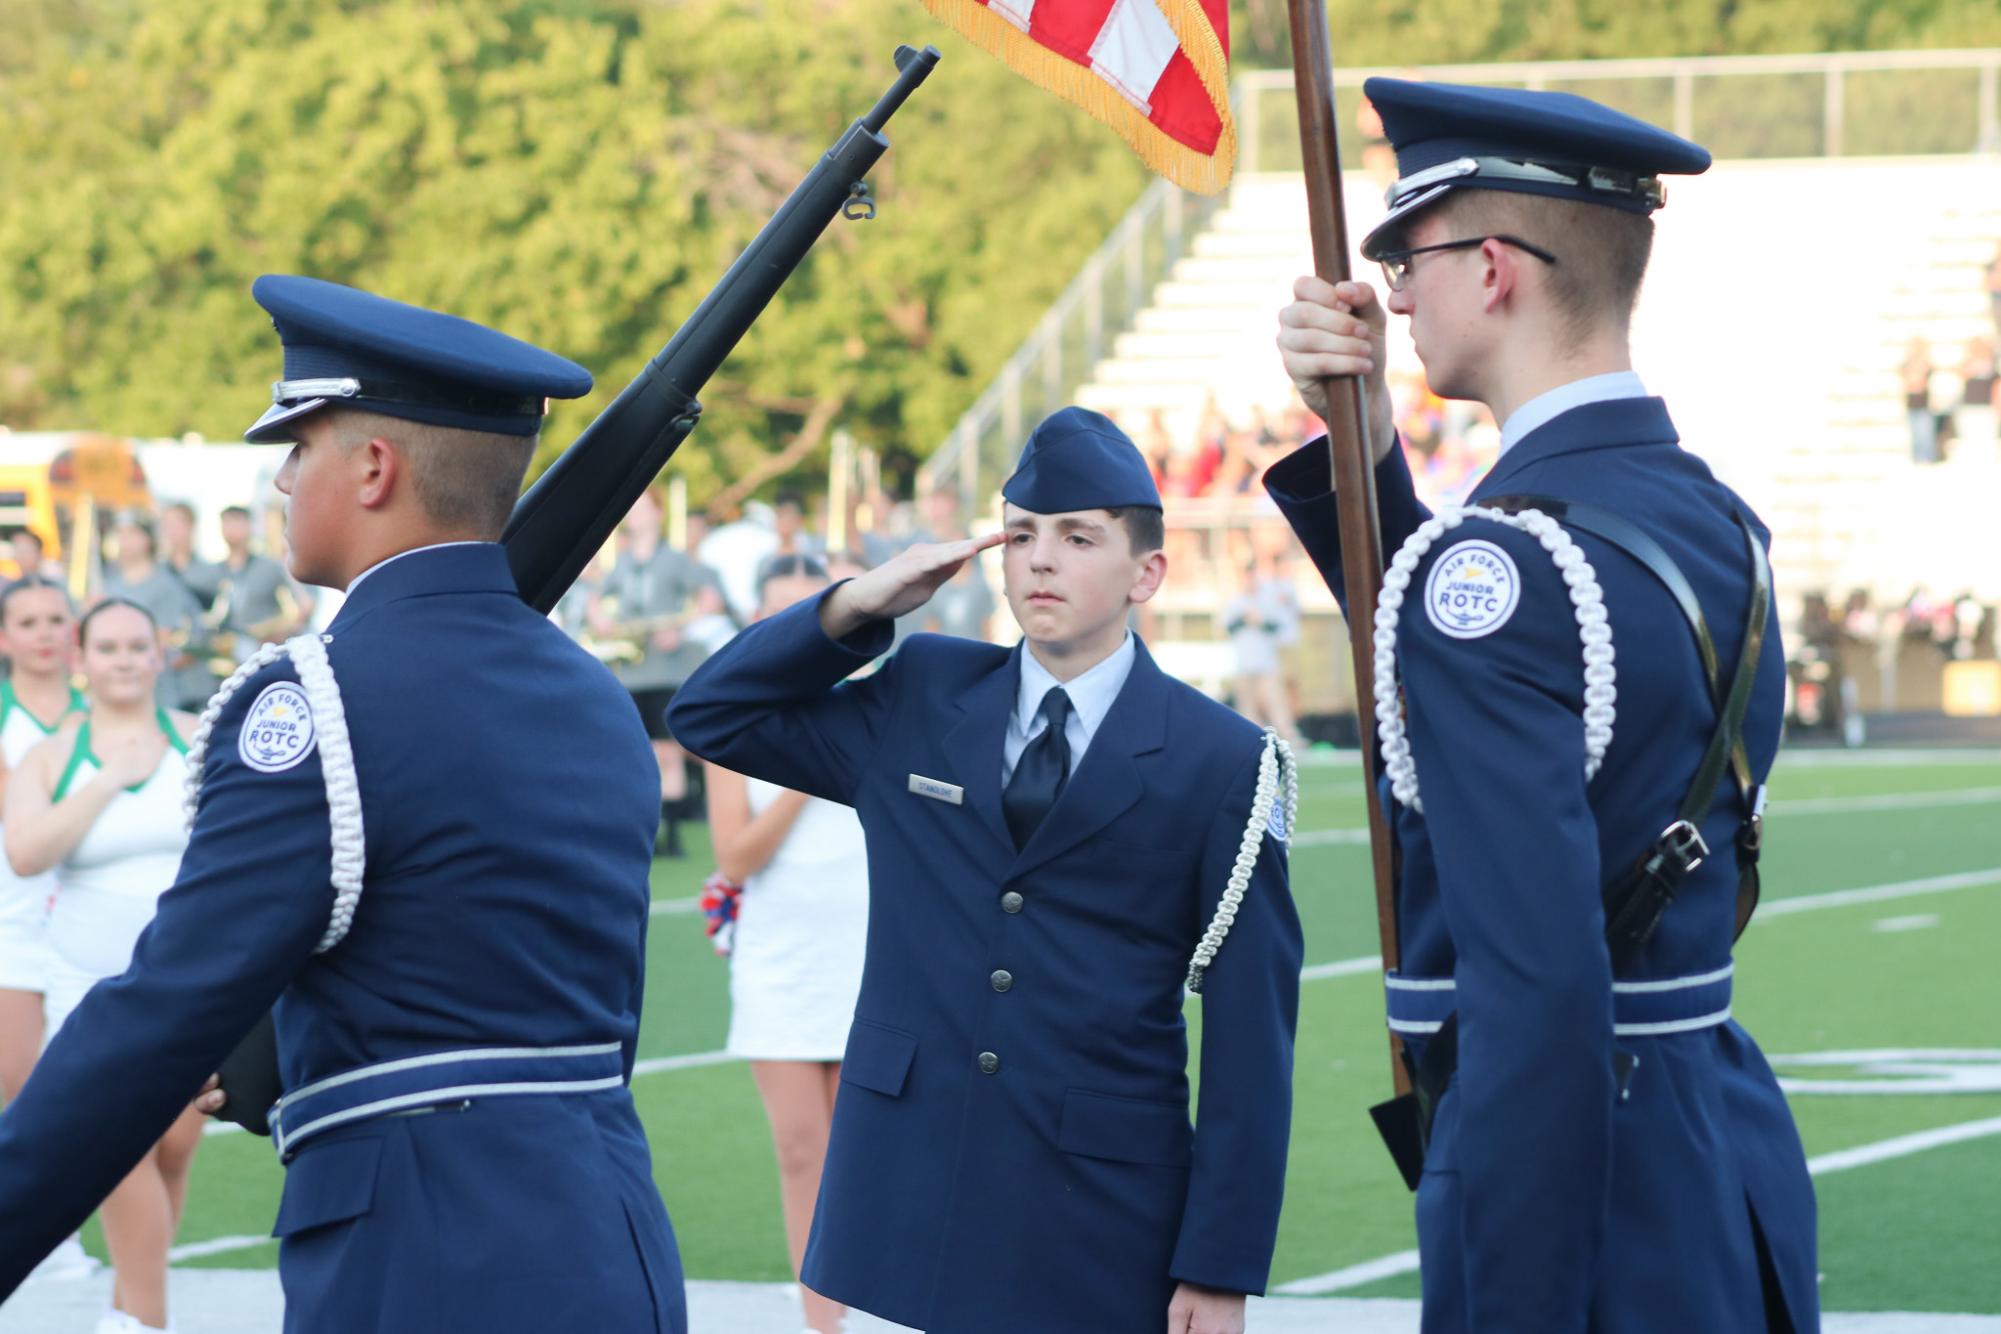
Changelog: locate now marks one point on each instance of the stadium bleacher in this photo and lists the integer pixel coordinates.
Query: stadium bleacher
(1782, 297)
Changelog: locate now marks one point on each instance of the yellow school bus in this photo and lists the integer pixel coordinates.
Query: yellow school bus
(61, 485)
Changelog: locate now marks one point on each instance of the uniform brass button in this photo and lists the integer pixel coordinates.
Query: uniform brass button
(989, 1063)
(1011, 902)
(1002, 979)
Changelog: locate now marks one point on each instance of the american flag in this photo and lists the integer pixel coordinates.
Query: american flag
(1157, 71)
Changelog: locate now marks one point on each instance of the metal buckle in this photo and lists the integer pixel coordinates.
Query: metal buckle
(1685, 843)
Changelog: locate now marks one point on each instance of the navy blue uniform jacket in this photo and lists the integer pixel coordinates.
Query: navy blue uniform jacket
(1061, 1190)
(509, 801)
(1549, 1204)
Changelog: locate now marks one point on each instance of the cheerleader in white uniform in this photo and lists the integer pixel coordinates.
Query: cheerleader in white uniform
(99, 802)
(796, 951)
(37, 633)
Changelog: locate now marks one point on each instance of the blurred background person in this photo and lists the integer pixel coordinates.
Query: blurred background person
(1916, 375)
(788, 526)
(29, 555)
(38, 640)
(1253, 625)
(99, 803)
(177, 553)
(796, 960)
(263, 605)
(36, 629)
(137, 575)
(640, 620)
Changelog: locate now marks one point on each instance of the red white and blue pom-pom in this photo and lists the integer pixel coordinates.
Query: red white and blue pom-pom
(719, 899)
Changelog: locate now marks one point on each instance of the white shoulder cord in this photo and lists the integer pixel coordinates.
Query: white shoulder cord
(316, 678)
(1593, 630)
(1275, 766)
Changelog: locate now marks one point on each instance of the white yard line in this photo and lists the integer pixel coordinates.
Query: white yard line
(1902, 1146)
(217, 1246)
(1877, 801)
(1889, 759)
(1901, 889)
(1888, 801)
(1354, 1276)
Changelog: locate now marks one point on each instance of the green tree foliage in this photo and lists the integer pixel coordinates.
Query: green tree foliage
(579, 172)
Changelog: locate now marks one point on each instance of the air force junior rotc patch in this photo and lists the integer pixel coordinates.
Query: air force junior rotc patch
(278, 730)
(1472, 590)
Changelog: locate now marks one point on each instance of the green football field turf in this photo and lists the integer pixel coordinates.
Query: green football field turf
(1903, 972)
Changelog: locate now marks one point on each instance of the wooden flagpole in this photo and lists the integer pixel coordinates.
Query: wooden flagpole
(1347, 441)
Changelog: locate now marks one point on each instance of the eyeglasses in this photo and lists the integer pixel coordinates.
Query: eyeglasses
(1397, 264)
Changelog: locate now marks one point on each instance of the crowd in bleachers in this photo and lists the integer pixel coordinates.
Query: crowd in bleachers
(1949, 394)
(1450, 445)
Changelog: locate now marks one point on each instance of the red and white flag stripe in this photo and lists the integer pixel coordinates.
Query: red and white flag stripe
(1155, 70)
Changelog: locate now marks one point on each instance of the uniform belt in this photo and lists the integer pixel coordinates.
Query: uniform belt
(415, 1083)
(1419, 1005)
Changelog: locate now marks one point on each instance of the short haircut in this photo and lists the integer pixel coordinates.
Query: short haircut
(788, 497)
(789, 567)
(1146, 527)
(180, 507)
(28, 583)
(83, 626)
(32, 536)
(1601, 252)
(466, 481)
(236, 512)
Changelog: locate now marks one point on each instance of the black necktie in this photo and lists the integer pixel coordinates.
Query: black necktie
(1040, 772)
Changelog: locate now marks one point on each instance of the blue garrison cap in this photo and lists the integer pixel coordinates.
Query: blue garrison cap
(1451, 136)
(1080, 460)
(351, 349)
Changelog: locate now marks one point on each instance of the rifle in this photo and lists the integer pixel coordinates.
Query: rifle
(569, 513)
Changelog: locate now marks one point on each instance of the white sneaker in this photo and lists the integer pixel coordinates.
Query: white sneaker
(115, 1321)
(68, 1260)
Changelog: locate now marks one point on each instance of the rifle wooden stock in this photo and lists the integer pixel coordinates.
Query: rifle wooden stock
(1347, 441)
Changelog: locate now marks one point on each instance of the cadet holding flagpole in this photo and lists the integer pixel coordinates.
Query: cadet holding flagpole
(1579, 688)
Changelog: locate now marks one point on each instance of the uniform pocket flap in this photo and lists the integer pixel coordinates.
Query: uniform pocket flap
(878, 1057)
(328, 1182)
(1125, 1130)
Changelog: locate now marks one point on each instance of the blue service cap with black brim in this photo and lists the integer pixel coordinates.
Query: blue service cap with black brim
(1450, 136)
(351, 349)
(1078, 459)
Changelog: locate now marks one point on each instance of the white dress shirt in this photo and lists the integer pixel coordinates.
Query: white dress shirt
(1547, 407)
(1091, 696)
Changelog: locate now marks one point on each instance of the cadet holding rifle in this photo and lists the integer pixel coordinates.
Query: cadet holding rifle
(1578, 693)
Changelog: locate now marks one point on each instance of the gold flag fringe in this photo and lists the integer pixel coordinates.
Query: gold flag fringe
(1202, 173)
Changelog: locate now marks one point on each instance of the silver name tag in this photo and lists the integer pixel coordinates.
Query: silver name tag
(937, 791)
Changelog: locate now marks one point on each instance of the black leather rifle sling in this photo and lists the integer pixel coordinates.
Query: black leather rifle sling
(1636, 901)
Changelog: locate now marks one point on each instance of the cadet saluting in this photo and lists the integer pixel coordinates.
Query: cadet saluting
(1049, 832)
(425, 836)
(1607, 1151)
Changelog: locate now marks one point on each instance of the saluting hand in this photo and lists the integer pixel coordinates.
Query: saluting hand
(899, 585)
(1330, 331)
(1197, 1310)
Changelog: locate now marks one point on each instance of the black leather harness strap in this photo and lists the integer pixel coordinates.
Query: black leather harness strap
(1638, 898)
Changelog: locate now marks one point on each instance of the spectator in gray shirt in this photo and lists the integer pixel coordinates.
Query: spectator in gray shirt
(265, 606)
(137, 575)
